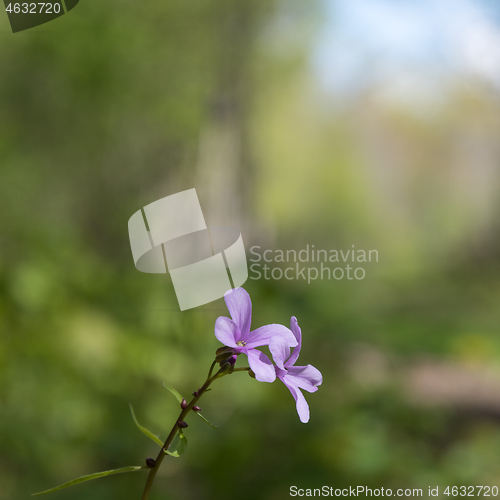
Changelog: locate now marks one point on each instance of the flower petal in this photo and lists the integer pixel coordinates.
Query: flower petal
(265, 335)
(305, 377)
(261, 365)
(295, 328)
(280, 350)
(240, 307)
(226, 331)
(300, 400)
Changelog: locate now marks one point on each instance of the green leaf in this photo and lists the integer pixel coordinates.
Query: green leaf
(205, 420)
(145, 431)
(92, 476)
(173, 391)
(179, 445)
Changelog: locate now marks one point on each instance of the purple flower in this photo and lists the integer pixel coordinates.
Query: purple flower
(236, 333)
(296, 377)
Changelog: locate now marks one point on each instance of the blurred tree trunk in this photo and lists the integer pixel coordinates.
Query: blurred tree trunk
(225, 173)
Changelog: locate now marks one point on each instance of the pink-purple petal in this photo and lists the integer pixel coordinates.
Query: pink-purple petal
(295, 328)
(240, 307)
(265, 335)
(226, 331)
(280, 350)
(261, 365)
(300, 401)
(306, 377)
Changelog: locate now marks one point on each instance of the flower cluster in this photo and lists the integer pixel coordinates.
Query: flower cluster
(235, 333)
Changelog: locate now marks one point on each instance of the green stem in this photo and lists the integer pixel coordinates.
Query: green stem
(173, 432)
(211, 369)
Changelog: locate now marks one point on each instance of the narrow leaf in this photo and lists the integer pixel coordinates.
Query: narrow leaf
(179, 445)
(173, 391)
(92, 476)
(145, 431)
(205, 420)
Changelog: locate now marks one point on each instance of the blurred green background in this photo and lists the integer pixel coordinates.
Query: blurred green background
(368, 123)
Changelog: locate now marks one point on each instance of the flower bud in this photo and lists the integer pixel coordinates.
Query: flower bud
(222, 350)
(195, 394)
(183, 404)
(251, 373)
(150, 462)
(229, 362)
(227, 367)
(182, 424)
(196, 408)
(223, 353)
